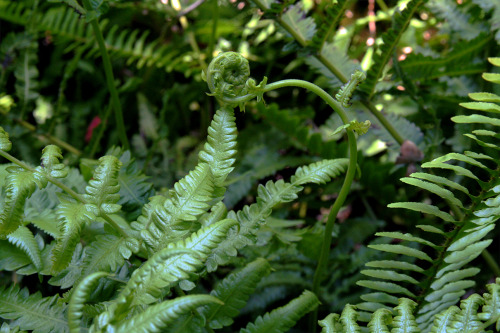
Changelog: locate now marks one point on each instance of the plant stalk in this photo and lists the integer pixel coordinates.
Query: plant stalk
(110, 80)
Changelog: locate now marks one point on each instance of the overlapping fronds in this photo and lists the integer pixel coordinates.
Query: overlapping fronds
(32, 311)
(163, 269)
(234, 292)
(282, 319)
(466, 319)
(390, 40)
(66, 26)
(435, 276)
(273, 193)
(166, 221)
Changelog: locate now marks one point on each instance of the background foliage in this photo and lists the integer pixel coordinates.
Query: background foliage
(422, 59)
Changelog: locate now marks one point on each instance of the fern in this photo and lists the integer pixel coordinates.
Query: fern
(64, 23)
(234, 291)
(390, 39)
(282, 319)
(401, 319)
(447, 279)
(251, 217)
(32, 312)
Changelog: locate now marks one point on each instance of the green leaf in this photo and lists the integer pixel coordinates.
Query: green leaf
(234, 292)
(492, 77)
(23, 238)
(443, 321)
(485, 97)
(405, 322)
(32, 312)
(401, 249)
(72, 216)
(78, 299)
(440, 180)
(388, 275)
(379, 321)
(102, 190)
(423, 208)
(147, 287)
(331, 324)
(219, 151)
(406, 237)
(284, 318)
(303, 26)
(387, 287)
(443, 193)
(320, 172)
(20, 184)
(477, 119)
(394, 265)
(481, 106)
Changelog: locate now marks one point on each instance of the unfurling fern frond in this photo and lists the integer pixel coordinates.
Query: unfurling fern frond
(270, 195)
(282, 319)
(442, 275)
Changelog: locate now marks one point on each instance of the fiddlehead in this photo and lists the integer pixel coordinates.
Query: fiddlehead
(228, 78)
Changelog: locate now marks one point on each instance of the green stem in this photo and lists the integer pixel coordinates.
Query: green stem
(110, 80)
(63, 187)
(344, 191)
(335, 71)
(491, 262)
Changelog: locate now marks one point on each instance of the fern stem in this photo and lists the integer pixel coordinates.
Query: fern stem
(335, 71)
(383, 120)
(491, 262)
(110, 80)
(346, 186)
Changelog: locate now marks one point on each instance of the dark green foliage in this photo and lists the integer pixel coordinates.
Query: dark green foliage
(384, 203)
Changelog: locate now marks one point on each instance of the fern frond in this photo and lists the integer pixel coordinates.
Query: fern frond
(20, 185)
(23, 238)
(284, 318)
(50, 162)
(5, 143)
(219, 150)
(390, 39)
(102, 191)
(26, 74)
(32, 312)
(402, 318)
(162, 270)
(303, 26)
(158, 317)
(72, 216)
(333, 13)
(178, 215)
(270, 195)
(78, 299)
(234, 292)
(66, 26)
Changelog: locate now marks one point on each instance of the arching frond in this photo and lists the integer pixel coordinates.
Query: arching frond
(282, 319)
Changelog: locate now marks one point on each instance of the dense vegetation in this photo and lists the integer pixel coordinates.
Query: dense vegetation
(252, 166)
